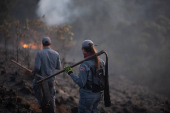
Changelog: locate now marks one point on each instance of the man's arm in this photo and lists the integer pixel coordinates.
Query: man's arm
(58, 65)
(37, 63)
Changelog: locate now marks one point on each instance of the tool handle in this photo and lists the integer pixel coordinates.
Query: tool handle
(26, 68)
(88, 58)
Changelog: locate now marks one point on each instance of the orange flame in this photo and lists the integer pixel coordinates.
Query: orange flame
(25, 46)
(30, 45)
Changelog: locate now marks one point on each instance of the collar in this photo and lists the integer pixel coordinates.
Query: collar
(46, 48)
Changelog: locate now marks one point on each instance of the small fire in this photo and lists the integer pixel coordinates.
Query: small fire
(30, 45)
(25, 46)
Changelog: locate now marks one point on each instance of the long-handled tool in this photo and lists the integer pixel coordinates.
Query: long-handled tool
(88, 58)
(106, 91)
(46, 102)
(26, 68)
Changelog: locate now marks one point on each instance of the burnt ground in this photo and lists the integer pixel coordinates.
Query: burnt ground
(126, 97)
(16, 95)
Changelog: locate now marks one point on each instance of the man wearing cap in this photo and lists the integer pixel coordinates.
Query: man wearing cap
(46, 63)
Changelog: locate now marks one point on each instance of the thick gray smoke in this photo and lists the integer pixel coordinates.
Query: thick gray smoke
(95, 20)
(58, 11)
(66, 11)
(134, 33)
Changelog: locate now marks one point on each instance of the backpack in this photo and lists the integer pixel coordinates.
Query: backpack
(98, 78)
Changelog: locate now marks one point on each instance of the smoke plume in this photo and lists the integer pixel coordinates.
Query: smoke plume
(134, 33)
(57, 12)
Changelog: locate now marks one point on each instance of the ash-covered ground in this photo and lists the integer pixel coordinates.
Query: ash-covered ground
(16, 95)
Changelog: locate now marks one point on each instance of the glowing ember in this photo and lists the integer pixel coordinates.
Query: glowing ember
(25, 46)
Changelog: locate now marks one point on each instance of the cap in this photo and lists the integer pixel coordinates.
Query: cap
(46, 41)
(86, 43)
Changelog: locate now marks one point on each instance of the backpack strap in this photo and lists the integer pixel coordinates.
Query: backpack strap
(102, 67)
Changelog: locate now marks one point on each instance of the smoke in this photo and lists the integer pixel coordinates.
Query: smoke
(95, 20)
(66, 11)
(131, 32)
(57, 12)
(135, 34)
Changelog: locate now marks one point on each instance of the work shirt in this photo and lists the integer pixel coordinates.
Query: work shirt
(84, 74)
(46, 62)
